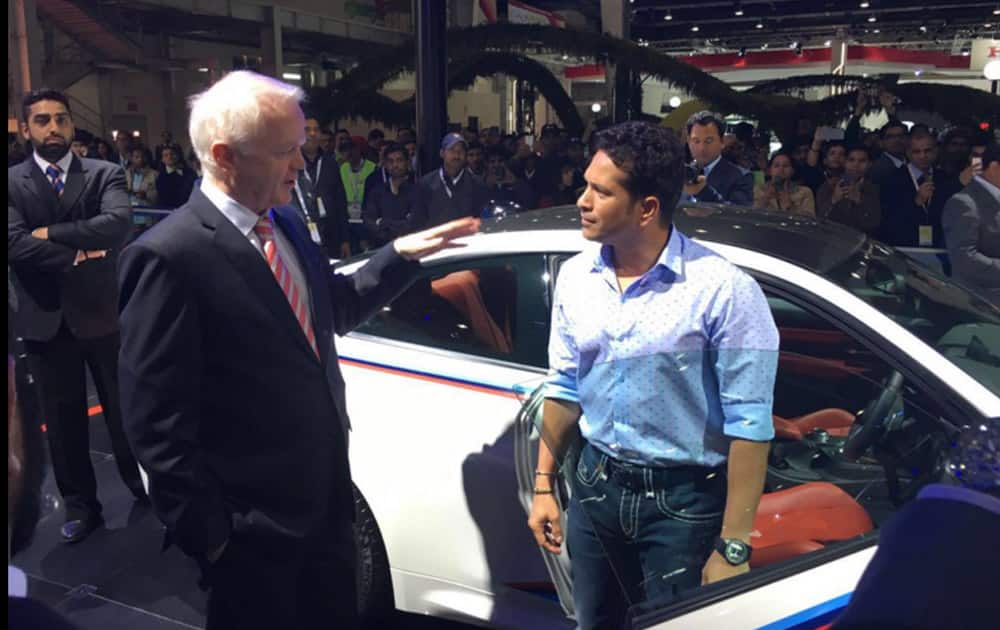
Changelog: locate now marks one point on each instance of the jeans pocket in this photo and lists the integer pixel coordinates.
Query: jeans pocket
(695, 502)
(590, 466)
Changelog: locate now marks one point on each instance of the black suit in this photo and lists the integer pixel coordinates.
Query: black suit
(902, 217)
(728, 183)
(242, 429)
(67, 313)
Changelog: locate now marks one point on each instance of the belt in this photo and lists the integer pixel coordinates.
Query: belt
(638, 477)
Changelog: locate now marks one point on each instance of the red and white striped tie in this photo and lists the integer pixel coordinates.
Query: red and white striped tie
(295, 294)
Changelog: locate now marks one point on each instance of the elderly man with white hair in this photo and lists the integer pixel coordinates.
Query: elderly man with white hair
(232, 395)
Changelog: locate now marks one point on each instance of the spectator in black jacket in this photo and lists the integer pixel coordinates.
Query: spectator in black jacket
(911, 201)
(503, 184)
(450, 192)
(720, 180)
(174, 183)
(389, 204)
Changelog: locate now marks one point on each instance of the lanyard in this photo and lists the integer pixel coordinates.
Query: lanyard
(319, 169)
(444, 180)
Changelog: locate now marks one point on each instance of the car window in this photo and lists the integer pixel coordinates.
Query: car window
(854, 441)
(489, 308)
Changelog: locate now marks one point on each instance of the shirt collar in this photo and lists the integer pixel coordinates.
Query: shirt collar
(671, 258)
(63, 164)
(173, 169)
(17, 582)
(239, 215)
(711, 165)
(916, 172)
(990, 188)
(895, 160)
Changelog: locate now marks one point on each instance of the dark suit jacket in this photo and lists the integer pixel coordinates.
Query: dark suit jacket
(333, 228)
(728, 183)
(237, 422)
(902, 218)
(882, 169)
(93, 213)
(28, 614)
(971, 224)
(935, 568)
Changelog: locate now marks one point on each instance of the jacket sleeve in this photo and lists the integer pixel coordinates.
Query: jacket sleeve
(159, 369)
(742, 190)
(109, 228)
(961, 223)
(358, 296)
(334, 198)
(420, 215)
(27, 252)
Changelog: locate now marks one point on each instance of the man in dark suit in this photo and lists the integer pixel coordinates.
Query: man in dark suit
(971, 224)
(320, 197)
(231, 389)
(911, 204)
(894, 138)
(720, 180)
(66, 219)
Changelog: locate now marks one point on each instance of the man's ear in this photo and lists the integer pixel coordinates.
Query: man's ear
(650, 210)
(223, 156)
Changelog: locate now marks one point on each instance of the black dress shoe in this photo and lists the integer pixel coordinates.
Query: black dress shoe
(78, 529)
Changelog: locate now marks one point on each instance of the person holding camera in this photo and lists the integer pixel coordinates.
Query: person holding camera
(711, 177)
(853, 199)
(781, 193)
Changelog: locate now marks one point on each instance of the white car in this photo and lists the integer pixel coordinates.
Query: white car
(881, 361)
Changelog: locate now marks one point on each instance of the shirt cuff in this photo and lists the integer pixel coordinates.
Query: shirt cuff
(561, 387)
(749, 421)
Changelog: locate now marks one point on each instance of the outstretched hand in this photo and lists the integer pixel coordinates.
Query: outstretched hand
(432, 240)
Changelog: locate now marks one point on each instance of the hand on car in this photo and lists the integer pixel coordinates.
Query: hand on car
(718, 569)
(432, 240)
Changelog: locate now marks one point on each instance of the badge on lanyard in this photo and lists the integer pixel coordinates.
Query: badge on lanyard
(320, 207)
(354, 213)
(926, 235)
(314, 232)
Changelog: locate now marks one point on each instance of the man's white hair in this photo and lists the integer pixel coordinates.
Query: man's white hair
(233, 110)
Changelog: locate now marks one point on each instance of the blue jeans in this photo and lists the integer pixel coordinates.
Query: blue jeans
(636, 533)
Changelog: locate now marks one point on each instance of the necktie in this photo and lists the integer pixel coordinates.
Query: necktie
(53, 173)
(295, 294)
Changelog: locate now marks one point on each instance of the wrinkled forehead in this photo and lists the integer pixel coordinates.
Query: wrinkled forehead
(47, 107)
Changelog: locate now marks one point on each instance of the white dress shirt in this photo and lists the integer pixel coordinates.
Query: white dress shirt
(245, 220)
(17, 582)
(63, 165)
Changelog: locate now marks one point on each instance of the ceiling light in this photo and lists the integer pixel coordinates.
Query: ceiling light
(596, 108)
(291, 76)
(865, 5)
(965, 53)
(918, 72)
(669, 16)
(871, 18)
(202, 69)
(996, 11)
(760, 25)
(743, 52)
(923, 29)
(738, 11)
(763, 46)
(793, 45)
(876, 31)
(827, 43)
(695, 29)
(675, 101)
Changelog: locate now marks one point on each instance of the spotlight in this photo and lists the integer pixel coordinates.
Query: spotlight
(871, 18)
(876, 31)
(827, 43)
(743, 52)
(738, 11)
(865, 5)
(669, 16)
(923, 29)
(918, 72)
(695, 29)
(996, 11)
(596, 108)
(675, 101)
(760, 25)
(763, 46)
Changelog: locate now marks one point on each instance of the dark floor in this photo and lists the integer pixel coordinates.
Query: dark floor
(117, 578)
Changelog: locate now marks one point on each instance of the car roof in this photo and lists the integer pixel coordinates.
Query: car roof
(814, 244)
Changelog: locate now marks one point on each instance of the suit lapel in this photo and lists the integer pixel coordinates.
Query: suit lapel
(42, 188)
(251, 265)
(75, 180)
(322, 315)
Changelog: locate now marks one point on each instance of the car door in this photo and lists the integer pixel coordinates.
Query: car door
(817, 523)
(434, 383)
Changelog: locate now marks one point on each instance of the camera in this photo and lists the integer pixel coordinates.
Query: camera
(691, 172)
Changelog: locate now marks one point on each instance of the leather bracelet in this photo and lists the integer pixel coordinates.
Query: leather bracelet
(542, 491)
(547, 474)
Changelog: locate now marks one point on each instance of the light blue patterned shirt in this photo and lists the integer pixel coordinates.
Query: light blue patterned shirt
(668, 372)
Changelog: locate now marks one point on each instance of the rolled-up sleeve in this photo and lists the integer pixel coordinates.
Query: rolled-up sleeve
(563, 356)
(745, 340)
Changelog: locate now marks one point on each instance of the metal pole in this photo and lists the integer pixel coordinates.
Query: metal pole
(432, 97)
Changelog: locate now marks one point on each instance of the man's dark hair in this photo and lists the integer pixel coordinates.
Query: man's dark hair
(376, 134)
(831, 144)
(921, 134)
(859, 148)
(43, 94)
(394, 147)
(652, 158)
(892, 124)
(707, 118)
(343, 131)
(991, 154)
(475, 144)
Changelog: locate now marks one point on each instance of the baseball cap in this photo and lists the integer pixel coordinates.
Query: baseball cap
(451, 140)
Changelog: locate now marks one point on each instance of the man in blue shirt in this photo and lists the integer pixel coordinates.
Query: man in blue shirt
(664, 355)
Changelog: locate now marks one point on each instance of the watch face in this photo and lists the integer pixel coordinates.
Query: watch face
(736, 552)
